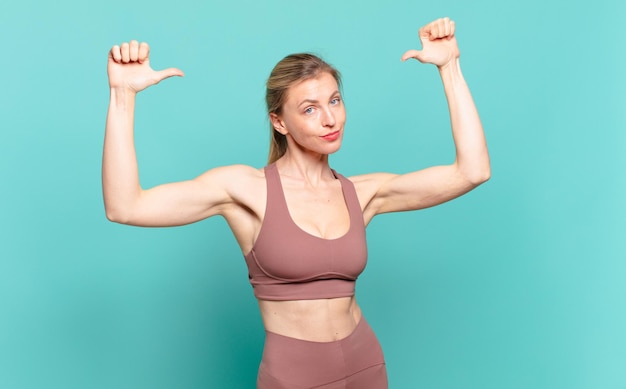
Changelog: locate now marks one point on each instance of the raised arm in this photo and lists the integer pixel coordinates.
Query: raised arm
(385, 192)
(125, 201)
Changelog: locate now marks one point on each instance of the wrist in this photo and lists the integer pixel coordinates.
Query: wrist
(122, 91)
(122, 97)
(451, 66)
(451, 71)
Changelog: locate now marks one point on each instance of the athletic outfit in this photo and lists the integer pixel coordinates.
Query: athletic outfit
(287, 263)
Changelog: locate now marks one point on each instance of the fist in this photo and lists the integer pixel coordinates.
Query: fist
(439, 46)
(129, 67)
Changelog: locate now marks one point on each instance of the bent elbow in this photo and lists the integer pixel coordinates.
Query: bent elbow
(479, 176)
(484, 177)
(115, 216)
(474, 171)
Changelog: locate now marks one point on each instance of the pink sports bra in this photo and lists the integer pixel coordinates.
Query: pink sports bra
(287, 263)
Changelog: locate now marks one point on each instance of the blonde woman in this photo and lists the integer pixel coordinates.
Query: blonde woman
(299, 223)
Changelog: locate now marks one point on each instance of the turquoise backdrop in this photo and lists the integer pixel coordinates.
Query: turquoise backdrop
(519, 284)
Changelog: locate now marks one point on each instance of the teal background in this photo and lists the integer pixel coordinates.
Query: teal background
(519, 284)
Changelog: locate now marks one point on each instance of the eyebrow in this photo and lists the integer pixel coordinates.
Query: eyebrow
(312, 101)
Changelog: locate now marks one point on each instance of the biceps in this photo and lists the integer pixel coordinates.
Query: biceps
(421, 189)
(176, 204)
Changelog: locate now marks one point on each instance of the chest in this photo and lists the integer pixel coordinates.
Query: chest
(321, 212)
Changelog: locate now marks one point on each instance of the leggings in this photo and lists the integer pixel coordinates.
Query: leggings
(354, 362)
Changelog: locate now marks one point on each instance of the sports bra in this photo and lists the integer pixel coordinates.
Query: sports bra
(287, 263)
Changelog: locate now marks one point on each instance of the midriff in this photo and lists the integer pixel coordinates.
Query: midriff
(324, 320)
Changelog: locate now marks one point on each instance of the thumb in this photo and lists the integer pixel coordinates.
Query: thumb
(417, 54)
(167, 73)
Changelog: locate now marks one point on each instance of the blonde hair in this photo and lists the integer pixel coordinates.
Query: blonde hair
(290, 70)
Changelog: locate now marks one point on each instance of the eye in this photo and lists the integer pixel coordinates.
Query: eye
(335, 101)
(308, 111)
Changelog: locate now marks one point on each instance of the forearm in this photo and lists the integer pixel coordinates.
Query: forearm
(120, 175)
(472, 157)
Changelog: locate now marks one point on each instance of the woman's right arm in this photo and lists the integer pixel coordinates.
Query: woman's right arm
(125, 201)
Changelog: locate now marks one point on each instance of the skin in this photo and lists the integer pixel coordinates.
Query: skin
(238, 193)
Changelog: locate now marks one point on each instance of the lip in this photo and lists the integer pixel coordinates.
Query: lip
(331, 136)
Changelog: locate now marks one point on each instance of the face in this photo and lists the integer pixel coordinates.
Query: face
(313, 116)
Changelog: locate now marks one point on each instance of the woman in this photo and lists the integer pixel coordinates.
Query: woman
(300, 224)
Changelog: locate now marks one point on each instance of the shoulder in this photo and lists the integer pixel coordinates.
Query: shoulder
(371, 182)
(237, 183)
(367, 187)
(234, 171)
(232, 176)
(243, 187)
(370, 179)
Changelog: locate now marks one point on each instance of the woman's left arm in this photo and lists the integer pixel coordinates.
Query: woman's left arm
(438, 184)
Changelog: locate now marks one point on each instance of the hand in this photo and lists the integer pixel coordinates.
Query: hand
(129, 67)
(439, 45)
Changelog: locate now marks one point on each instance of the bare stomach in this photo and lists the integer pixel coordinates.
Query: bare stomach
(323, 320)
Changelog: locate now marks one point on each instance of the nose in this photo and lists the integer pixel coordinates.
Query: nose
(328, 118)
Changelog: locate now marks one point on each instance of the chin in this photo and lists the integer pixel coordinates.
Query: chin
(334, 149)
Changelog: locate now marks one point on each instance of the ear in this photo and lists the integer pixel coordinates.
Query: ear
(278, 124)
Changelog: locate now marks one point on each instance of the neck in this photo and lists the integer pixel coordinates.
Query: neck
(309, 167)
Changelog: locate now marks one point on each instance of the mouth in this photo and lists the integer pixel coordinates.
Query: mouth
(331, 135)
